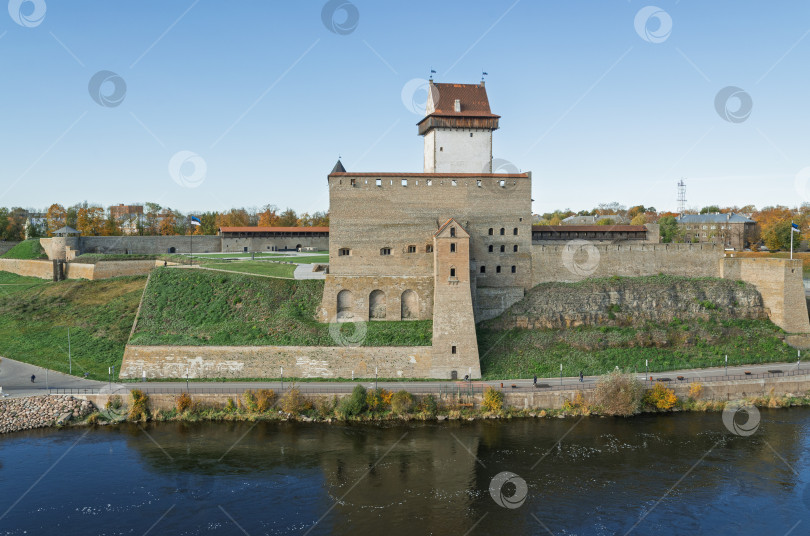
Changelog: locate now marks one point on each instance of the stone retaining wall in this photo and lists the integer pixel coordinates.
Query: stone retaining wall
(74, 270)
(266, 362)
(40, 411)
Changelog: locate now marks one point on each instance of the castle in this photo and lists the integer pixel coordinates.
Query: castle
(455, 243)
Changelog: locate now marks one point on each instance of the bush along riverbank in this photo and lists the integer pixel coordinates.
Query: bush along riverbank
(617, 394)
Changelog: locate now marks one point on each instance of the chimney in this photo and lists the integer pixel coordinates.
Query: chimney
(457, 105)
(482, 82)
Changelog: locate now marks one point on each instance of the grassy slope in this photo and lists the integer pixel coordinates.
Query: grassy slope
(200, 307)
(683, 343)
(35, 315)
(272, 269)
(28, 249)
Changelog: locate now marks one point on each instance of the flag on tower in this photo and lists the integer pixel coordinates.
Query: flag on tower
(795, 228)
(195, 221)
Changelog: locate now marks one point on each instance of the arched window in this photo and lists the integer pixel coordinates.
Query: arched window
(490, 231)
(497, 269)
(376, 305)
(515, 248)
(503, 231)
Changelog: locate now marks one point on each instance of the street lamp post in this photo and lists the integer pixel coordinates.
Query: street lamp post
(70, 359)
(282, 378)
(375, 378)
(646, 369)
(726, 365)
(560, 373)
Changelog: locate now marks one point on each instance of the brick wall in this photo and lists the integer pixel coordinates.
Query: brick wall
(419, 300)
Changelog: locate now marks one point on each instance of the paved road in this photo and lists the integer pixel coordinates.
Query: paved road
(15, 379)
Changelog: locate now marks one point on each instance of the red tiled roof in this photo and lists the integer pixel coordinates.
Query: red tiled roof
(589, 228)
(274, 229)
(472, 97)
(436, 175)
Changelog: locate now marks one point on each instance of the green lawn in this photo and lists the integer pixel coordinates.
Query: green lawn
(272, 269)
(35, 315)
(202, 307)
(28, 249)
(521, 353)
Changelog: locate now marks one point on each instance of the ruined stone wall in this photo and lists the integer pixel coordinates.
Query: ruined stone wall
(577, 260)
(781, 285)
(266, 362)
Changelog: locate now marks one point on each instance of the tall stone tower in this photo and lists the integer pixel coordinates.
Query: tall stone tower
(458, 128)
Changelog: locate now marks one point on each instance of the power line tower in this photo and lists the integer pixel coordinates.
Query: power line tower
(681, 196)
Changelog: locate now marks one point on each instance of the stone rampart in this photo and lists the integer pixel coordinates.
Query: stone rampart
(150, 245)
(577, 260)
(75, 270)
(5, 246)
(781, 285)
(28, 268)
(266, 362)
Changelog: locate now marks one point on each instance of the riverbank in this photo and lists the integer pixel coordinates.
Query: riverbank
(608, 398)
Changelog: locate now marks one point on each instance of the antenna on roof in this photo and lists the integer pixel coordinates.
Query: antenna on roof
(681, 197)
(483, 74)
(432, 72)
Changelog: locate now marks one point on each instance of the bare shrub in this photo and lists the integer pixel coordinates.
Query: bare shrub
(618, 394)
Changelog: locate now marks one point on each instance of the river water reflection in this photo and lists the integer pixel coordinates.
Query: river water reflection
(669, 474)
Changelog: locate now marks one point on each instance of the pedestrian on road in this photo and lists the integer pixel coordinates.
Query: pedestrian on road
(33, 378)
(581, 375)
(535, 380)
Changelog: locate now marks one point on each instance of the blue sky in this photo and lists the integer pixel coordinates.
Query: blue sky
(267, 96)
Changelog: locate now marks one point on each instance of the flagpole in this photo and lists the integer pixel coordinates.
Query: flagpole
(791, 240)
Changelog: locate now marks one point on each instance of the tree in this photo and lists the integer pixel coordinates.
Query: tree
(668, 227)
(639, 219)
(111, 226)
(777, 235)
(150, 226)
(269, 216)
(55, 218)
(288, 218)
(605, 221)
(168, 222)
(90, 220)
(710, 209)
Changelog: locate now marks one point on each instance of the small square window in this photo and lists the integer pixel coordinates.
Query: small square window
(354, 182)
(471, 134)
(378, 182)
(502, 183)
(490, 248)
(478, 183)
(429, 248)
(503, 249)
(503, 231)
(385, 251)
(441, 149)
(514, 269)
(452, 247)
(404, 182)
(454, 182)
(452, 272)
(429, 182)
(490, 231)
(515, 248)
(452, 349)
(483, 269)
(497, 269)
(452, 231)
(411, 249)
(515, 231)
(342, 252)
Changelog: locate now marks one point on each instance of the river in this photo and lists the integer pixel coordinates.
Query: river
(664, 474)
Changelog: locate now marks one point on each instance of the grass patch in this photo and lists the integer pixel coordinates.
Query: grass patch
(35, 315)
(272, 269)
(596, 350)
(201, 307)
(28, 249)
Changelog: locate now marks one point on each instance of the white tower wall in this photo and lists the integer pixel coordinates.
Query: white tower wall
(451, 150)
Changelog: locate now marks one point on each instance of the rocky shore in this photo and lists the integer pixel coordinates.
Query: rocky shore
(41, 411)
